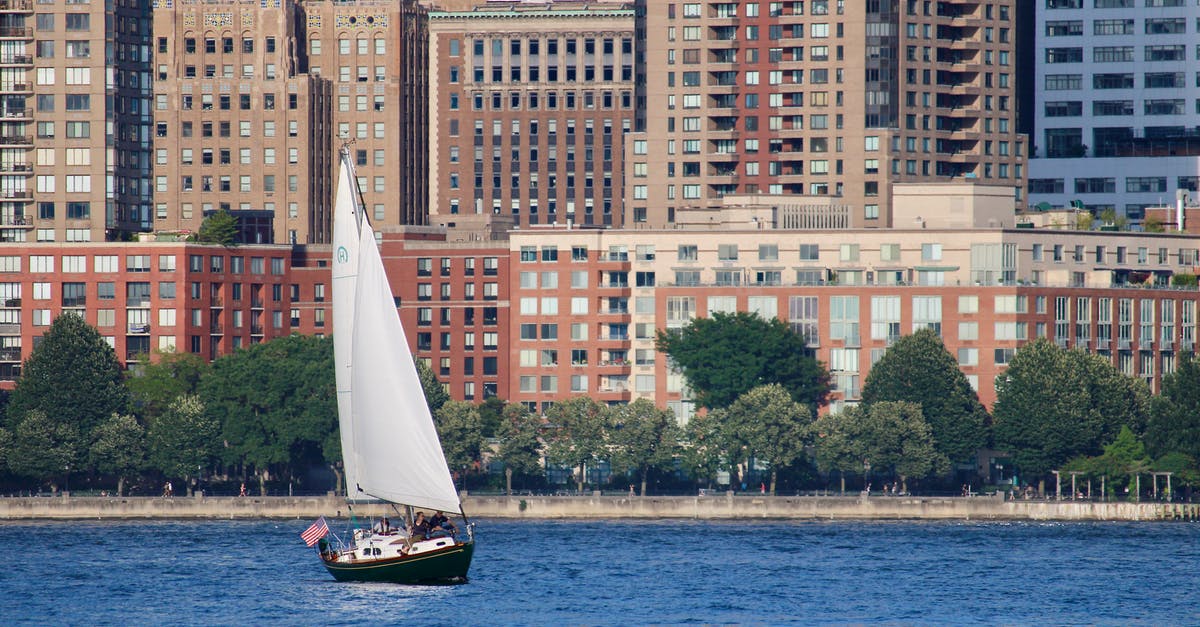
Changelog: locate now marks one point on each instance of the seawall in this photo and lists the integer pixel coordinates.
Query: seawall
(599, 507)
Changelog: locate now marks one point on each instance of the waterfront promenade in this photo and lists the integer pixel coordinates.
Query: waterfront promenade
(721, 506)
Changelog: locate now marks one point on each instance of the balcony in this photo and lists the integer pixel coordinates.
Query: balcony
(16, 6)
(16, 194)
(20, 222)
(16, 140)
(216, 329)
(139, 328)
(21, 168)
(16, 59)
(18, 32)
(256, 329)
(10, 354)
(18, 114)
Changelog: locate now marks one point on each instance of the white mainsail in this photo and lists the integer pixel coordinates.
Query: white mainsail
(346, 217)
(399, 455)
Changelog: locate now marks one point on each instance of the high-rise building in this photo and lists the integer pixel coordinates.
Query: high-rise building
(824, 98)
(529, 105)
(253, 101)
(75, 127)
(1117, 96)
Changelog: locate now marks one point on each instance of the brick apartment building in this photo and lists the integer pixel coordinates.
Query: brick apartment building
(143, 297)
(823, 98)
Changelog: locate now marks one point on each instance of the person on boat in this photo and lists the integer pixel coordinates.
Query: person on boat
(439, 523)
(420, 528)
(383, 527)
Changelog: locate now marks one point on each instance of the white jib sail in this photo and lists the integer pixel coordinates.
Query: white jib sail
(400, 456)
(346, 215)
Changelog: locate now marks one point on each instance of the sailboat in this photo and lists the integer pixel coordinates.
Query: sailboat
(390, 447)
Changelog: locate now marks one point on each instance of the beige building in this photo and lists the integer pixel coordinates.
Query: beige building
(74, 129)
(253, 101)
(529, 106)
(820, 98)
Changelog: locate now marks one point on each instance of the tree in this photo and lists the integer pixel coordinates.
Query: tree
(170, 375)
(435, 393)
(120, 448)
(184, 439)
(6, 445)
(729, 354)
(703, 452)
(219, 228)
(766, 425)
(1153, 224)
(643, 437)
(491, 416)
(919, 369)
(45, 449)
(576, 434)
(1053, 405)
(889, 435)
(520, 446)
(458, 428)
(1174, 422)
(276, 405)
(1123, 458)
(71, 351)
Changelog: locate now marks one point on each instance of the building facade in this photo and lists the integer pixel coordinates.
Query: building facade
(1117, 104)
(143, 297)
(823, 98)
(253, 101)
(529, 105)
(75, 120)
(587, 305)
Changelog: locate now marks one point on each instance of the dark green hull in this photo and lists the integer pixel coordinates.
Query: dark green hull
(448, 565)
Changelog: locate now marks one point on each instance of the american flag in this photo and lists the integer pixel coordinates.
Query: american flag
(317, 531)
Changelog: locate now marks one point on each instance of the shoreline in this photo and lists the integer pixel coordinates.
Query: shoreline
(718, 507)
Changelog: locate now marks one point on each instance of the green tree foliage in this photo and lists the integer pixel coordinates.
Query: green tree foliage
(120, 448)
(1174, 423)
(218, 228)
(1053, 405)
(276, 405)
(643, 437)
(703, 452)
(729, 354)
(766, 425)
(44, 449)
(170, 375)
(1153, 224)
(183, 441)
(458, 428)
(1184, 468)
(576, 434)
(491, 416)
(6, 445)
(1122, 458)
(72, 377)
(892, 436)
(919, 369)
(435, 393)
(520, 444)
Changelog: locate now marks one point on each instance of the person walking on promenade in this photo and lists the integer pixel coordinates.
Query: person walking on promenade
(242, 491)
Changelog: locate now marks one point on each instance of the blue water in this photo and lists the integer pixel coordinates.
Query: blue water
(617, 572)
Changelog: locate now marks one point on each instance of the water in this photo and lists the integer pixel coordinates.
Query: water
(617, 572)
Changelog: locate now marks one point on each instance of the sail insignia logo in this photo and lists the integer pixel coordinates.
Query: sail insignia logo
(343, 255)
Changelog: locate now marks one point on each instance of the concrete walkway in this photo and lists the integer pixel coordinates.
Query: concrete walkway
(601, 507)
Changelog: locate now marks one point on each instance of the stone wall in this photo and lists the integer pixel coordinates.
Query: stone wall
(544, 507)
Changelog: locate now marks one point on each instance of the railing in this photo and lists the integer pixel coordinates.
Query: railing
(16, 5)
(16, 31)
(10, 354)
(139, 328)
